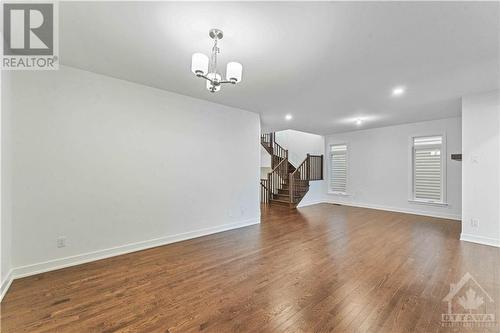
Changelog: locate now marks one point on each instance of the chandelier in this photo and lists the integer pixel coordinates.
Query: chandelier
(206, 68)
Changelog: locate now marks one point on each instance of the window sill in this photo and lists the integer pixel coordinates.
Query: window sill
(341, 194)
(429, 203)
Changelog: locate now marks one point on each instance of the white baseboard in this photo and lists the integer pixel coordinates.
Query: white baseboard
(398, 210)
(309, 203)
(23, 271)
(4, 286)
(480, 240)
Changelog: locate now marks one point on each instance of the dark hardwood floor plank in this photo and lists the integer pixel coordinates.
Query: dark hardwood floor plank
(322, 268)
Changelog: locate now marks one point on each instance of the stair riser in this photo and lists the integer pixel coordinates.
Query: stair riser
(297, 182)
(287, 194)
(285, 187)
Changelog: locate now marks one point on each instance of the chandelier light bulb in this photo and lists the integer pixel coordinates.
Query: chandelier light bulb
(233, 72)
(199, 64)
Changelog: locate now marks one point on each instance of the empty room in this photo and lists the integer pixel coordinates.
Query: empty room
(250, 166)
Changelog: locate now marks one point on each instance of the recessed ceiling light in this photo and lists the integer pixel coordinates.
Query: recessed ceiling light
(288, 117)
(398, 91)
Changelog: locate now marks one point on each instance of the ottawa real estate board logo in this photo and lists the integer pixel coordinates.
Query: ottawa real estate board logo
(30, 36)
(468, 305)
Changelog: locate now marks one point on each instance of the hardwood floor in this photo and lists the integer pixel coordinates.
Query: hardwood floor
(321, 268)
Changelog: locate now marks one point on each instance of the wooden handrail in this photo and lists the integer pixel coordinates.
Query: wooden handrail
(276, 178)
(264, 191)
(301, 166)
(276, 151)
(310, 169)
(279, 165)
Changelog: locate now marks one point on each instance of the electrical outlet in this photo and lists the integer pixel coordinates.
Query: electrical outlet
(474, 223)
(61, 241)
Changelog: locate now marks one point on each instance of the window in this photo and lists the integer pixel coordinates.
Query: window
(428, 184)
(338, 168)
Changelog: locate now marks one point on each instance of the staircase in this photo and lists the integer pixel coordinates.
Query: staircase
(287, 184)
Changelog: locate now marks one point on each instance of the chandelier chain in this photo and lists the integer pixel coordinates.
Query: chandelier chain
(213, 61)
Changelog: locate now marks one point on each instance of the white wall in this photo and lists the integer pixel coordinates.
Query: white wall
(108, 163)
(379, 163)
(299, 144)
(265, 163)
(5, 203)
(265, 158)
(481, 168)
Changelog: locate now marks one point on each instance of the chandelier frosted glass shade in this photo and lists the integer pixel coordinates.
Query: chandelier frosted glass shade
(206, 68)
(199, 64)
(233, 71)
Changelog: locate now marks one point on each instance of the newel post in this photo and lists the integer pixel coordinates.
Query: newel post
(271, 142)
(286, 164)
(308, 168)
(321, 166)
(269, 186)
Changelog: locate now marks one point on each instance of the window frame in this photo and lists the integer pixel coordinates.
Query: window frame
(412, 198)
(330, 191)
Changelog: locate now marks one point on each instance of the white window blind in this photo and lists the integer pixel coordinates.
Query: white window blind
(427, 168)
(338, 166)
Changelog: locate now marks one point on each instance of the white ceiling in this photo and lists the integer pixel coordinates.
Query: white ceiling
(325, 63)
